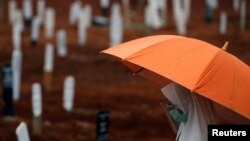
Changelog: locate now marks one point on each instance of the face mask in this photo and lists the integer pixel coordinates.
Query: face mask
(177, 116)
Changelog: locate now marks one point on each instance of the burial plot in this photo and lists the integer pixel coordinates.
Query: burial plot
(116, 25)
(7, 86)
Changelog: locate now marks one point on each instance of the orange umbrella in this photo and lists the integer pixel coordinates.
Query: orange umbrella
(197, 65)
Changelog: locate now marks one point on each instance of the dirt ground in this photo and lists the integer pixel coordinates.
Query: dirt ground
(103, 83)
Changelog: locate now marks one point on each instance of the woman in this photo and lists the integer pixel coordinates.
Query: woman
(196, 114)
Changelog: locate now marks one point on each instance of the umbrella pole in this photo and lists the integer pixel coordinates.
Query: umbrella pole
(225, 46)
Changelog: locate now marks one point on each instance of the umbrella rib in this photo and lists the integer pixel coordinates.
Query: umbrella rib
(138, 70)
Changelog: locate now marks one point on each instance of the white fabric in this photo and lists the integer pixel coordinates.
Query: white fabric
(200, 113)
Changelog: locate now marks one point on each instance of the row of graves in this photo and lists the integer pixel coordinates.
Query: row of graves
(81, 15)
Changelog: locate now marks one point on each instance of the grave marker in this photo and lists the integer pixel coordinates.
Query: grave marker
(82, 27)
(102, 126)
(22, 132)
(49, 22)
(61, 43)
(68, 93)
(223, 23)
(209, 9)
(16, 72)
(116, 25)
(35, 30)
(236, 5)
(11, 10)
(104, 4)
(48, 66)
(8, 108)
(41, 9)
(126, 9)
(181, 15)
(74, 10)
(16, 36)
(37, 107)
(243, 15)
(27, 12)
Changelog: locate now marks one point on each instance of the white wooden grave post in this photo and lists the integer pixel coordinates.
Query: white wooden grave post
(61, 43)
(88, 14)
(68, 93)
(104, 8)
(49, 23)
(223, 23)
(82, 27)
(162, 7)
(16, 64)
(74, 11)
(181, 15)
(116, 25)
(126, 9)
(41, 9)
(22, 132)
(35, 30)
(48, 66)
(236, 5)
(243, 15)
(16, 36)
(27, 12)
(37, 107)
(11, 10)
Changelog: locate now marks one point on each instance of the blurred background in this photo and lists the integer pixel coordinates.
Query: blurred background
(101, 83)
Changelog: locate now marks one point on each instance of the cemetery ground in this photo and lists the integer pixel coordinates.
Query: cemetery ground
(103, 83)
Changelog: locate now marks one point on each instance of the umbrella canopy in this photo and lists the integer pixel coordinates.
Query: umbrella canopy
(197, 65)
